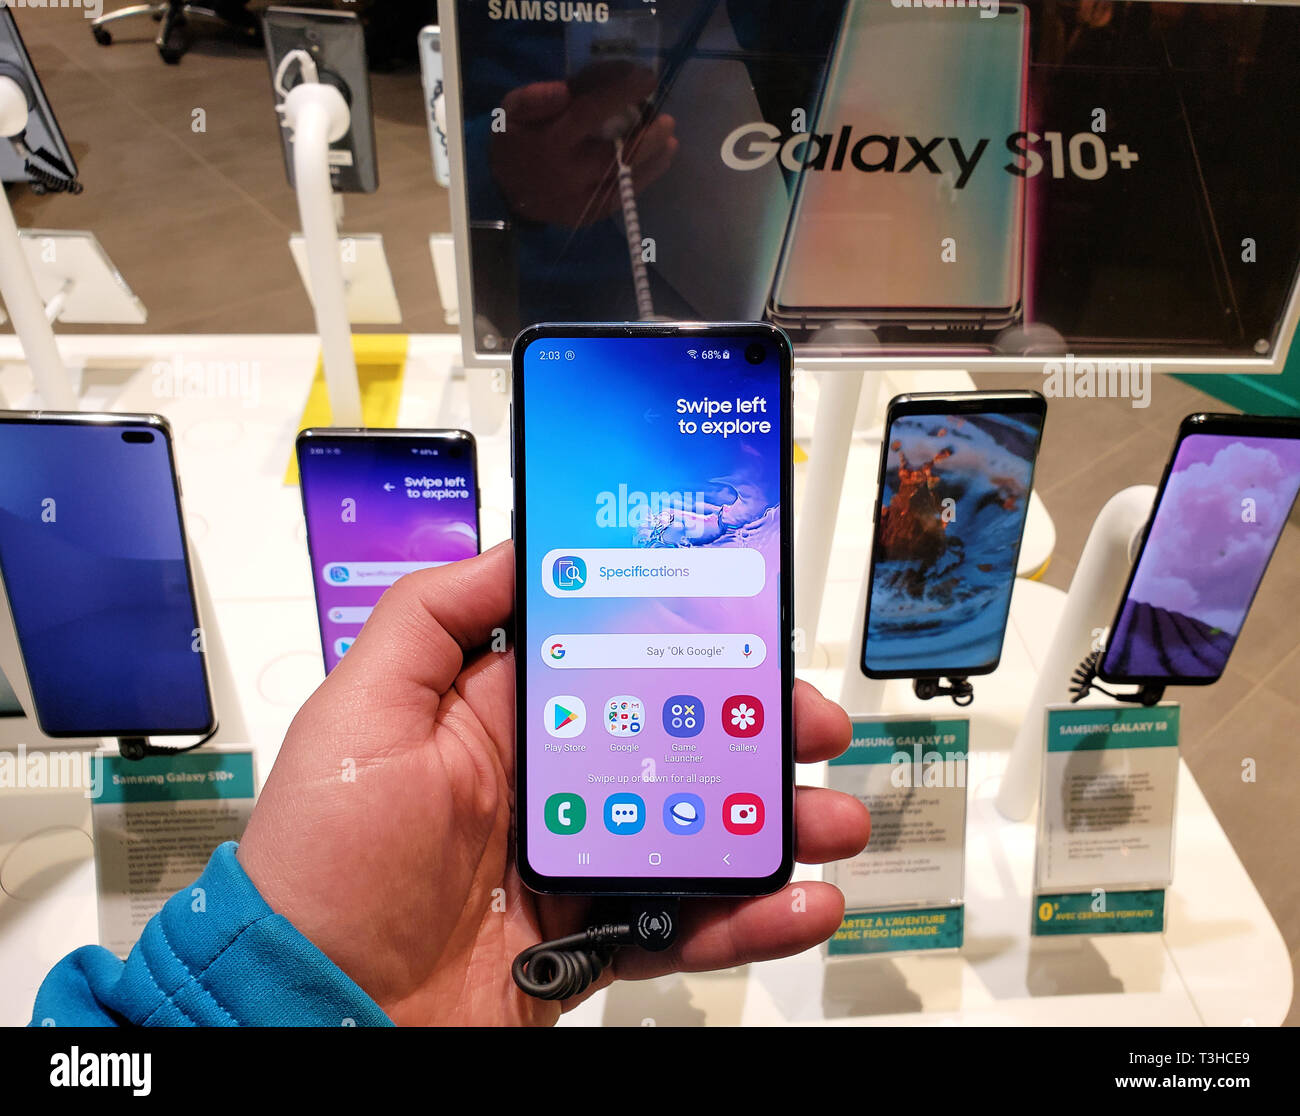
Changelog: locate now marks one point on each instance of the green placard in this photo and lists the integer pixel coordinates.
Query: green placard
(1085, 729)
(1121, 912)
(918, 739)
(864, 932)
(193, 775)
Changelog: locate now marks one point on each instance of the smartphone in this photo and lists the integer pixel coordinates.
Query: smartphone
(336, 42)
(653, 621)
(42, 136)
(98, 578)
(1223, 501)
(944, 233)
(379, 504)
(956, 471)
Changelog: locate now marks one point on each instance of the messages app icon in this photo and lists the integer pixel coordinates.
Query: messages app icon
(569, 572)
(624, 813)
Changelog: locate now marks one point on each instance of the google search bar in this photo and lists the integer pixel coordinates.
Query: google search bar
(604, 651)
(370, 573)
(349, 614)
(669, 572)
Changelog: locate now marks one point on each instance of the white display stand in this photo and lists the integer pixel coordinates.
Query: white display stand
(367, 281)
(77, 281)
(318, 115)
(1096, 587)
(18, 287)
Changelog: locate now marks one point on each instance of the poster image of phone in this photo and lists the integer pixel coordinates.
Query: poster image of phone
(95, 567)
(955, 476)
(652, 472)
(1219, 513)
(380, 504)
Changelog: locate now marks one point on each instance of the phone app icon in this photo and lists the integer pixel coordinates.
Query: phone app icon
(742, 716)
(565, 813)
(569, 572)
(624, 813)
(683, 813)
(565, 716)
(683, 715)
(624, 715)
(742, 813)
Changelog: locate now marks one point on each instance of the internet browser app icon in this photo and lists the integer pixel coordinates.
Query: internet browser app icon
(569, 572)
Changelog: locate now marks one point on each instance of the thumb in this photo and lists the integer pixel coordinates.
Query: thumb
(426, 621)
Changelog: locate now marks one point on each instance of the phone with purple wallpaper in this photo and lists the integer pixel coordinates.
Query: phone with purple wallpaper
(380, 504)
(653, 627)
(1223, 502)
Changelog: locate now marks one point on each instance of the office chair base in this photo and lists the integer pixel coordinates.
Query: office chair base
(173, 37)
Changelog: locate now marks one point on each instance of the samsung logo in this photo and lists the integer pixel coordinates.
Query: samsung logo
(548, 11)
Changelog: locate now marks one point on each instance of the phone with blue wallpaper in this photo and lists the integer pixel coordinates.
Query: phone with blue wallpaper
(652, 472)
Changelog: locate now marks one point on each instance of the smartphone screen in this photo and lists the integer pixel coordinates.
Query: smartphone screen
(1224, 500)
(956, 473)
(653, 624)
(380, 504)
(93, 555)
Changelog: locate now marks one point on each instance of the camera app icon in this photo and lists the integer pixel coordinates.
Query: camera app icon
(742, 813)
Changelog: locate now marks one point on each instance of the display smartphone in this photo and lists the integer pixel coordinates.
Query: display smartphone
(379, 504)
(98, 578)
(653, 621)
(943, 234)
(956, 471)
(1223, 501)
(336, 43)
(49, 163)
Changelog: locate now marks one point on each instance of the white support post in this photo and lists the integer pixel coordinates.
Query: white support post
(318, 115)
(1090, 606)
(22, 299)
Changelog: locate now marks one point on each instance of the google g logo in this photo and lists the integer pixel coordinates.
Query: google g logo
(557, 650)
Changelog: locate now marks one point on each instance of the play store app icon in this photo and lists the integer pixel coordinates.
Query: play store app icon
(565, 716)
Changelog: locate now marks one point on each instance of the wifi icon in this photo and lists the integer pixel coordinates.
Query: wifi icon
(692, 353)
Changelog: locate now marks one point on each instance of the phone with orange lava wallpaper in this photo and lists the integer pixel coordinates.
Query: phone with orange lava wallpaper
(956, 470)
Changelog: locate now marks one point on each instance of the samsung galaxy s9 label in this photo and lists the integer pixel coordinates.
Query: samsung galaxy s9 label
(653, 719)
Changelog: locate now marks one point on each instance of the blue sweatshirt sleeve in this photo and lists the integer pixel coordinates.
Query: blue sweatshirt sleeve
(215, 956)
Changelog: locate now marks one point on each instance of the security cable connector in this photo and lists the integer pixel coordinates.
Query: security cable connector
(959, 689)
(1084, 680)
(566, 967)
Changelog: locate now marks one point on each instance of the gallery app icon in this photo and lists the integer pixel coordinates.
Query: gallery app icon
(683, 715)
(624, 813)
(683, 813)
(569, 572)
(565, 813)
(565, 716)
(742, 715)
(742, 813)
(624, 715)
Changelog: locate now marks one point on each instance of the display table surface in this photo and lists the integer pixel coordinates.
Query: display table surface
(1220, 962)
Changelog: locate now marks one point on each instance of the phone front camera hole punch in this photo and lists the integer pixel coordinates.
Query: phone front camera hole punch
(959, 689)
(1084, 680)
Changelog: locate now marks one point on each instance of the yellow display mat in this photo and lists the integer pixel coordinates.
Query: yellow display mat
(381, 363)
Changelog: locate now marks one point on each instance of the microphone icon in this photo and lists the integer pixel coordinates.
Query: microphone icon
(745, 651)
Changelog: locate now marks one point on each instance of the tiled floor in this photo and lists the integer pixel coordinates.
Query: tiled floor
(198, 224)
